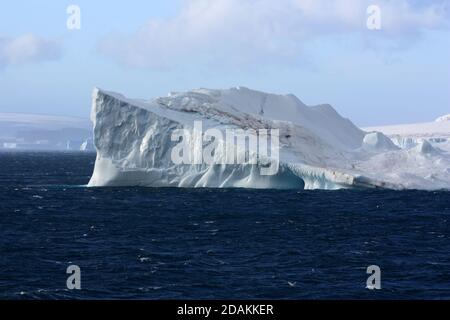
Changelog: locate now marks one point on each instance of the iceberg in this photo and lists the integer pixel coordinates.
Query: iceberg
(317, 148)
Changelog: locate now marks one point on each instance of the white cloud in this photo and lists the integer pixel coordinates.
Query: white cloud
(231, 32)
(28, 48)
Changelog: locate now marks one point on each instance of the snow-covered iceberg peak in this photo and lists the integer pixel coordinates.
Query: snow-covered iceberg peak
(316, 147)
(443, 118)
(376, 141)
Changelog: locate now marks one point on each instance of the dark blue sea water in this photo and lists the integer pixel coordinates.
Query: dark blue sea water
(189, 243)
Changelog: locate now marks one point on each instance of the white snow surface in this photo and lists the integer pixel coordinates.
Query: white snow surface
(319, 149)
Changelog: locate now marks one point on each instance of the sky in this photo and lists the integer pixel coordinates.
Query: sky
(378, 62)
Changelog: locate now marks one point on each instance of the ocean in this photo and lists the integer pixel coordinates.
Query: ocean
(164, 243)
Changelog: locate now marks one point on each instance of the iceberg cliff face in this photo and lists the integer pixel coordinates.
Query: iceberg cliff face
(318, 149)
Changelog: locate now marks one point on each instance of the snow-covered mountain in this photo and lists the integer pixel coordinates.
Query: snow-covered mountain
(44, 132)
(319, 149)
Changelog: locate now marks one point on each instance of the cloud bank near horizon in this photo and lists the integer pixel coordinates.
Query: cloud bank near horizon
(245, 32)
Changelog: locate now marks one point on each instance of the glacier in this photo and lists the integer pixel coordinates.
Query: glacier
(39, 132)
(318, 148)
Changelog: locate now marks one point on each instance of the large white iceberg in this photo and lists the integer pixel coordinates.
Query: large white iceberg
(319, 149)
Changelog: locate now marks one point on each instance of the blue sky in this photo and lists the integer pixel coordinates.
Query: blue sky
(321, 51)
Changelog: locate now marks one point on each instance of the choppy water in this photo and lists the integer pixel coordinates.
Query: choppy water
(191, 243)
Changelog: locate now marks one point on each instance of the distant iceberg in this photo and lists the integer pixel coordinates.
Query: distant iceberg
(318, 149)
